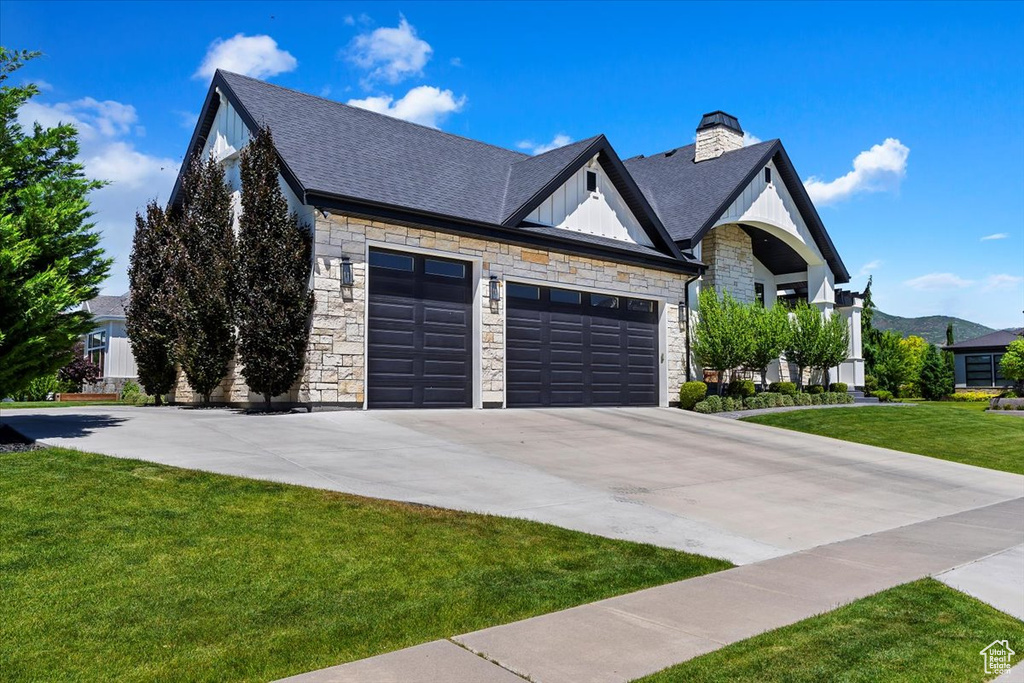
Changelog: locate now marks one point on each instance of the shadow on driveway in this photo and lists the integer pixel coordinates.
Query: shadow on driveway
(62, 426)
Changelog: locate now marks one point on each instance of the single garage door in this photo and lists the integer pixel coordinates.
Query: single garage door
(570, 348)
(420, 332)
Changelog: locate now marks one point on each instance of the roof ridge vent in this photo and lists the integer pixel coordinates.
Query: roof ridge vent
(671, 152)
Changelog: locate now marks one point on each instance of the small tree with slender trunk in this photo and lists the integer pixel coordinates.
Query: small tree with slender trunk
(722, 337)
(149, 317)
(805, 339)
(834, 347)
(769, 335)
(204, 277)
(1012, 364)
(274, 261)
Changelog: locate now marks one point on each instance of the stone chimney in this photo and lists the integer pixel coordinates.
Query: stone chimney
(717, 134)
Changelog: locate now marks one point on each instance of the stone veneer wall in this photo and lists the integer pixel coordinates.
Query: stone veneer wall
(336, 374)
(729, 256)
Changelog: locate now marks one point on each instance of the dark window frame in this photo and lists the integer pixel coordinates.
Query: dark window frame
(591, 181)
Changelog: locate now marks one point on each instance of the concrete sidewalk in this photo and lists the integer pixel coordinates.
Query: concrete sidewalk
(623, 638)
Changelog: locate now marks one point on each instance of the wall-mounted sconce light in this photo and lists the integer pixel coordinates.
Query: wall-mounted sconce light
(347, 279)
(682, 310)
(495, 289)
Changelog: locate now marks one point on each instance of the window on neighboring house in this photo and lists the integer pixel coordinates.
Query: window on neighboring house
(591, 181)
(979, 370)
(96, 348)
(996, 363)
(759, 292)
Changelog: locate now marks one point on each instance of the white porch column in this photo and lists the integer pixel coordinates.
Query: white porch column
(852, 369)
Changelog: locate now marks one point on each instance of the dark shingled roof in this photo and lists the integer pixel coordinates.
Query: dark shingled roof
(107, 306)
(342, 156)
(349, 152)
(997, 339)
(528, 176)
(686, 194)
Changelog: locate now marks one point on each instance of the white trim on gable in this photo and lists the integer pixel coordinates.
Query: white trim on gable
(770, 206)
(604, 212)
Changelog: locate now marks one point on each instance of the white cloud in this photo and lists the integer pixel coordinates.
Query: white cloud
(391, 54)
(349, 20)
(560, 140)
(877, 169)
(934, 281)
(256, 56)
(750, 139)
(455, 61)
(108, 132)
(1003, 281)
(869, 267)
(995, 236)
(43, 86)
(424, 104)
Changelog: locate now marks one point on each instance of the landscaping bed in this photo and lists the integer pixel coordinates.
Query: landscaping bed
(922, 631)
(961, 432)
(741, 395)
(118, 569)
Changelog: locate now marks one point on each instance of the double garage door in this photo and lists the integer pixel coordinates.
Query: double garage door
(563, 347)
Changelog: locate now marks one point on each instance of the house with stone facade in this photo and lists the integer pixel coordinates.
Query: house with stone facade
(452, 273)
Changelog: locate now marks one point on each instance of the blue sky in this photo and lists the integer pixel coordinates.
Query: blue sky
(927, 98)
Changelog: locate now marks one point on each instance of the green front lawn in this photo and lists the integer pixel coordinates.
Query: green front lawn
(15, 405)
(123, 570)
(919, 632)
(962, 432)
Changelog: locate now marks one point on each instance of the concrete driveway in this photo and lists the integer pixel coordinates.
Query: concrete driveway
(718, 487)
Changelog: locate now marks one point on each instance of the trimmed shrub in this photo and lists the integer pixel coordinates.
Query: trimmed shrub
(788, 388)
(840, 387)
(741, 388)
(715, 402)
(816, 399)
(132, 394)
(803, 399)
(753, 402)
(883, 395)
(692, 393)
(703, 407)
(968, 396)
(787, 400)
(870, 384)
(728, 403)
(815, 389)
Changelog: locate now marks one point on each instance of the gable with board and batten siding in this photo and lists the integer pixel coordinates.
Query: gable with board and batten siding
(602, 212)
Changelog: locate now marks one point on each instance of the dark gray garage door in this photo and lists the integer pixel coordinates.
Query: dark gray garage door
(419, 337)
(570, 348)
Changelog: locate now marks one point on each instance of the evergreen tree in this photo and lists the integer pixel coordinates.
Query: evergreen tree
(204, 277)
(770, 334)
(1012, 364)
(868, 334)
(274, 261)
(50, 259)
(150, 313)
(947, 355)
(936, 379)
(893, 363)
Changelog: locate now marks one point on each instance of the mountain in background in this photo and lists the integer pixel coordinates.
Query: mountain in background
(931, 328)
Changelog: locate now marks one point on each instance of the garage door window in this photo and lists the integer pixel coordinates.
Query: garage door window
(603, 301)
(391, 261)
(641, 305)
(445, 268)
(523, 292)
(564, 296)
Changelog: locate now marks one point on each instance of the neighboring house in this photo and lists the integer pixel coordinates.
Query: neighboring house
(976, 361)
(107, 345)
(452, 273)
